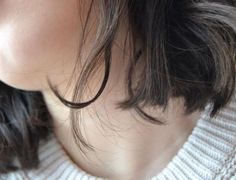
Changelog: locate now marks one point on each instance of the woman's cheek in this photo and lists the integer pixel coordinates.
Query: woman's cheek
(36, 45)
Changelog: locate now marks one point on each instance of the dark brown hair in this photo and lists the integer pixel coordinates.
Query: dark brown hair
(186, 48)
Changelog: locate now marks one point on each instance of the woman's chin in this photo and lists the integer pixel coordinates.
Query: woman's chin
(22, 83)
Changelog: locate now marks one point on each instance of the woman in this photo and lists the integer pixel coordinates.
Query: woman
(118, 89)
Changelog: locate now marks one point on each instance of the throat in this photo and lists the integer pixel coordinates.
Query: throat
(140, 151)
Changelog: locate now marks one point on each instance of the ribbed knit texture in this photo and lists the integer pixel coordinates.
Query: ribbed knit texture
(208, 154)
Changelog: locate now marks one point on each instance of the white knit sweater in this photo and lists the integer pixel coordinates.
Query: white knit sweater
(209, 153)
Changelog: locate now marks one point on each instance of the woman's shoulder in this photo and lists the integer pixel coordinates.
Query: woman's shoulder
(54, 164)
(210, 151)
(50, 154)
(223, 127)
(45, 145)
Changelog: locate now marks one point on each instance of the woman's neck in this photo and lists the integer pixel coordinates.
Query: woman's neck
(125, 145)
(130, 149)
